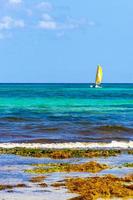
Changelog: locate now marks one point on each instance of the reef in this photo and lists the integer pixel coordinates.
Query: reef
(5, 187)
(37, 179)
(128, 164)
(43, 185)
(59, 154)
(57, 184)
(92, 167)
(100, 187)
(130, 151)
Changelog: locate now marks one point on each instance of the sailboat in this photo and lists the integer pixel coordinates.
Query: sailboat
(99, 77)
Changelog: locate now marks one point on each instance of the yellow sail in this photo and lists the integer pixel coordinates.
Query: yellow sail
(99, 75)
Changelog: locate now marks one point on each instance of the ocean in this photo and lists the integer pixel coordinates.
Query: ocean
(65, 113)
(46, 117)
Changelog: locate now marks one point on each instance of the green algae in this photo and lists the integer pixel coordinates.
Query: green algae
(92, 167)
(59, 154)
(130, 151)
(4, 187)
(128, 164)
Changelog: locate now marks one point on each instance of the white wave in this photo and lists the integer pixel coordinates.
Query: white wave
(71, 145)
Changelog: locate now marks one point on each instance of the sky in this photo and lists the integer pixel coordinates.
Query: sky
(59, 41)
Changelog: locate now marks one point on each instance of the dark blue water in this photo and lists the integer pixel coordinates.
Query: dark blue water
(65, 112)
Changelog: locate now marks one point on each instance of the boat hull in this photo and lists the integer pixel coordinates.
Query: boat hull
(95, 86)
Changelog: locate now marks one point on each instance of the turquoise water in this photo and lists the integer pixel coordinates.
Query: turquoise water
(65, 112)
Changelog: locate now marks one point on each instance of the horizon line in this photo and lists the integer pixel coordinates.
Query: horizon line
(64, 83)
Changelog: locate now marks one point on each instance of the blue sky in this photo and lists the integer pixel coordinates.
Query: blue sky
(63, 41)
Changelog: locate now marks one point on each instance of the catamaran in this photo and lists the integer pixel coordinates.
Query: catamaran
(99, 77)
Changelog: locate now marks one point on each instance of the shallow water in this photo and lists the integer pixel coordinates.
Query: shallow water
(12, 167)
(65, 113)
(12, 172)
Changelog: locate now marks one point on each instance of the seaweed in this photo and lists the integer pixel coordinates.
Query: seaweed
(99, 187)
(37, 179)
(5, 187)
(92, 167)
(57, 184)
(43, 185)
(59, 154)
(128, 164)
(130, 151)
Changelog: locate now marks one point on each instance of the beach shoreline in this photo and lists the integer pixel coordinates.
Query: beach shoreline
(26, 166)
(72, 145)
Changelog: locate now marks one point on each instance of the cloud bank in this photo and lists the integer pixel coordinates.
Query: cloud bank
(15, 1)
(41, 15)
(49, 23)
(8, 22)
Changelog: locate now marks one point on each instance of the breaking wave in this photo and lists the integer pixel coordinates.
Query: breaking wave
(71, 145)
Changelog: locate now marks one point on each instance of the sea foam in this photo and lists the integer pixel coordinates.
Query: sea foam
(71, 145)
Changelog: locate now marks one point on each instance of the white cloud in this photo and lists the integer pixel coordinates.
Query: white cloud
(8, 22)
(46, 6)
(47, 17)
(46, 11)
(15, 2)
(49, 23)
